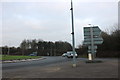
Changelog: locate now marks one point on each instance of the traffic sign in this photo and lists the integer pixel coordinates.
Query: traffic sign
(90, 47)
(92, 38)
(95, 42)
(89, 51)
(95, 29)
(94, 33)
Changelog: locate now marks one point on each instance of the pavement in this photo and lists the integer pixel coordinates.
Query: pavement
(107, 69)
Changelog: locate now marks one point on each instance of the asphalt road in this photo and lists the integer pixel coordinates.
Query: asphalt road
(61, 67)
(43, 62)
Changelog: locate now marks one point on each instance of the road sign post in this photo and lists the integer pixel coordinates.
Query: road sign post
(92, 39)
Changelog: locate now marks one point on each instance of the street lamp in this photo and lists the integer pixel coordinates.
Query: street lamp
(73, 37)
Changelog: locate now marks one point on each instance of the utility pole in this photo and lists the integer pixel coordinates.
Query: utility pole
(73, 37)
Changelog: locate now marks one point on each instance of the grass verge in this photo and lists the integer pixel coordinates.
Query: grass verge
(14, 57)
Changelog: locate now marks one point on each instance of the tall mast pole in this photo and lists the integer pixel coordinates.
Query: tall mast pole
(73, 37)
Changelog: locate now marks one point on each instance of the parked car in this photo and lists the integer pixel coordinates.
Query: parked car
(33, 54)
(69, 54)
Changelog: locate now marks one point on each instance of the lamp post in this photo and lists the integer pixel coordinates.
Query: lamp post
(73, 37)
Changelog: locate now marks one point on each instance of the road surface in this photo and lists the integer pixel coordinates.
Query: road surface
(43, 62)
(61, 67)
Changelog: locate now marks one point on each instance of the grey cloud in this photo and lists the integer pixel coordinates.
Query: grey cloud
(52, 20)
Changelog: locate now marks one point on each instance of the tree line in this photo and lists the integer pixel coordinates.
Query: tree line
(111, 45)
(43, 48)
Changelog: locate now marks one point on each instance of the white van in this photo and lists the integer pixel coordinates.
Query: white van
(69, 54)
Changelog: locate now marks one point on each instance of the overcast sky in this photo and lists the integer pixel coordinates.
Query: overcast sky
(50, 20)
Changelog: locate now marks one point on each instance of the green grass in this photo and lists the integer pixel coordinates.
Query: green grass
(13, 57)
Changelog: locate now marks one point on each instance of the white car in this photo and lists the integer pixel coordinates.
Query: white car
(64, 55)
(69, 54)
